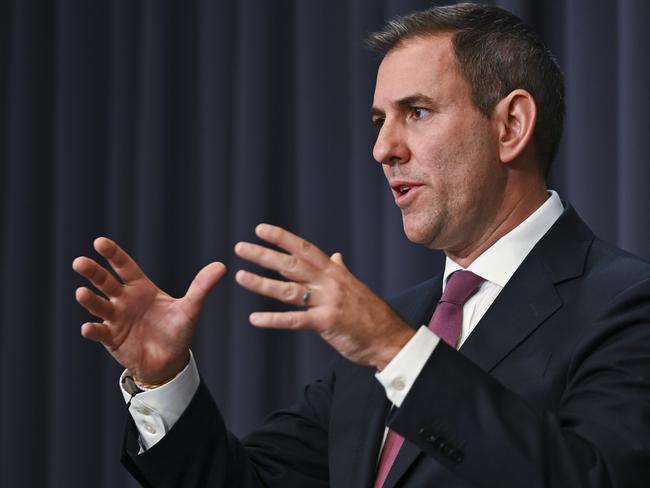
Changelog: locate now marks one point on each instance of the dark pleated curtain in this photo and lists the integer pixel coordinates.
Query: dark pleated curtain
(176, 127)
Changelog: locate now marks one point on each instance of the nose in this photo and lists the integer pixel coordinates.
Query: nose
(390, 146)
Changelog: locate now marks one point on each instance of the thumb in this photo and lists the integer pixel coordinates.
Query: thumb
(337, 257)
(201, 285)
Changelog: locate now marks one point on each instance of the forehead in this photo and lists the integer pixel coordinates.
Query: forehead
(425, 65)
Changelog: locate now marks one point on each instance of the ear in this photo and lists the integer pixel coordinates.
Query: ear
(515, 117)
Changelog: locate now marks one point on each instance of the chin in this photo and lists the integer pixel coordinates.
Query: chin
(419, 234)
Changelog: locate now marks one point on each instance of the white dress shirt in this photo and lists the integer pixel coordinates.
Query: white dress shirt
(156, 411)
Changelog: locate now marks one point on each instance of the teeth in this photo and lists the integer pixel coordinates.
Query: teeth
(403, 188)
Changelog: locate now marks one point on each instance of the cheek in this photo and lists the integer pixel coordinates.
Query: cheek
(443, 166)
(456, 175)
(438, 145)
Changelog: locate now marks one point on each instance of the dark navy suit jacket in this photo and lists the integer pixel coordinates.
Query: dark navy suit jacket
(551, 389)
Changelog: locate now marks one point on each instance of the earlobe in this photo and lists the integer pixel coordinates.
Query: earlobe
(516, 116)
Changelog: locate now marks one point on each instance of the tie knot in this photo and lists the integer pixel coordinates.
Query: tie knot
(460, 286)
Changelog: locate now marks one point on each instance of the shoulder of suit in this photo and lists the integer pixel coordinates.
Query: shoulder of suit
(616, 265)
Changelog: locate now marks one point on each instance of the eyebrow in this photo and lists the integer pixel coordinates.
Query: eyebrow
(406, 102)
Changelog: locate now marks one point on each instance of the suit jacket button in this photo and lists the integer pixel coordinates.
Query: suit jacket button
(439, 443)
(426, 435)
(447, 450)
(457, 456)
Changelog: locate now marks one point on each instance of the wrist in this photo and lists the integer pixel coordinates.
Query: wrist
(148, 386)
(390, 350)
(150, 382)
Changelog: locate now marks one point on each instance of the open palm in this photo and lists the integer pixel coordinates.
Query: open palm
(144, 329)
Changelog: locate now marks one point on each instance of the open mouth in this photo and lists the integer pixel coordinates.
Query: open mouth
(404, 192)
(403, 189)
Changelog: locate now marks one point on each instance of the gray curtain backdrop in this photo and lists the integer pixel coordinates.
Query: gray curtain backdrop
(174, 127)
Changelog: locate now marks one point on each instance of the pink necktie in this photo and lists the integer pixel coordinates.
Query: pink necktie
(446, 322)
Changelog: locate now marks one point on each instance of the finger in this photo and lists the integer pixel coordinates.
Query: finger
(97, 332)
(98, 276)
(337, 257)
(284, 291)
(292, 244)
(288, 265)
(201, 285)
(96, 305)
(120, 261)
(281, 320)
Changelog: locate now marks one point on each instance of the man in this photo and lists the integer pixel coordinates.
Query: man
(534, 369)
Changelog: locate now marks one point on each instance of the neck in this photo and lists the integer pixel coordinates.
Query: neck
(513, 213)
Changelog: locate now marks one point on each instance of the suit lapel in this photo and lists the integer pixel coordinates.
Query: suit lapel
(500, 331)
(520, 308)
(529, 298)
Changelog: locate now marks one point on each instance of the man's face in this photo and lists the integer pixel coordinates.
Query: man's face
(439, 153)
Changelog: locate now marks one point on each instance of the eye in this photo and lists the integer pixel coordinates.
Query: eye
(419, 112)
(378, 122)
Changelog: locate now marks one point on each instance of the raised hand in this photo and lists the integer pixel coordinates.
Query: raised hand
(339, 307)
(144, 329)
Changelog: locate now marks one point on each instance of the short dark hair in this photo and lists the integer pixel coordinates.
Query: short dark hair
(496, 53)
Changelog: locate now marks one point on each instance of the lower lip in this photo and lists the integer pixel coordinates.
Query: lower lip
(404, 199)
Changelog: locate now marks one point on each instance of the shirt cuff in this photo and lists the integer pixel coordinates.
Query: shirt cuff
(400, 374)
(156, 411)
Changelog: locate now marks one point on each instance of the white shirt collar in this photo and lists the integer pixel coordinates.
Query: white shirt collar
(500, 261)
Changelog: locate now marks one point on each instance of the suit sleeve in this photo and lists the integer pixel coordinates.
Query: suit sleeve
(290, 450)
(597, 437)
